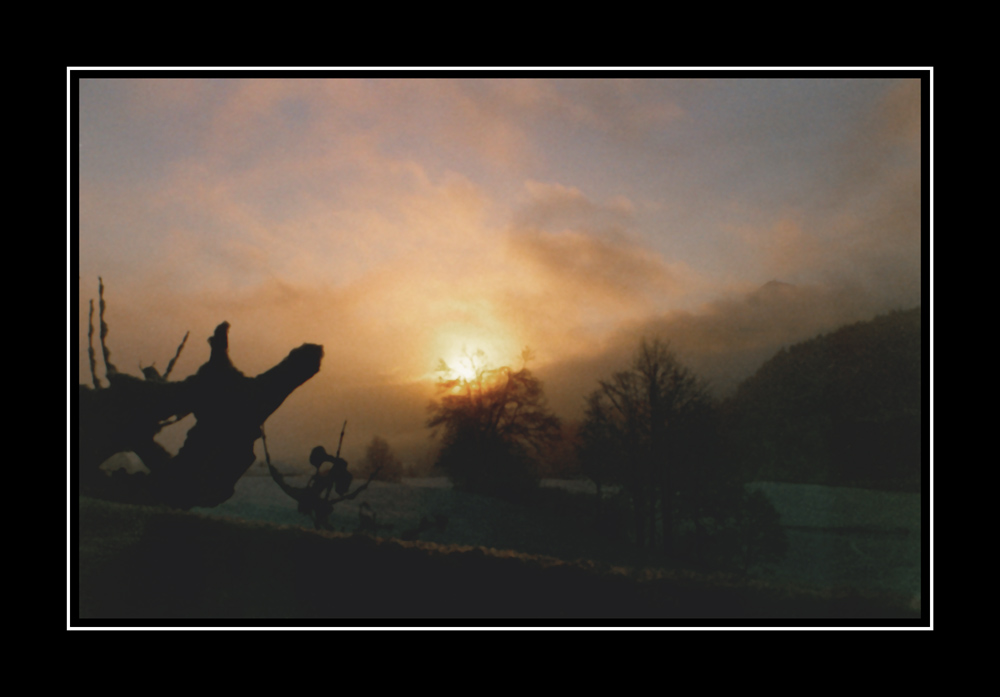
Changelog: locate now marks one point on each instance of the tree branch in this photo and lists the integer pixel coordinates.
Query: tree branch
(170, 366)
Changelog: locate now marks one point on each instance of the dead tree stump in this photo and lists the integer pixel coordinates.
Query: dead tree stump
(229, 407)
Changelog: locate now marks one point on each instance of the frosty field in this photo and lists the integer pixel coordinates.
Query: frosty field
(838, 537)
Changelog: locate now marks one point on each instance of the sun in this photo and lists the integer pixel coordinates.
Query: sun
(464, 368)
(469, 349)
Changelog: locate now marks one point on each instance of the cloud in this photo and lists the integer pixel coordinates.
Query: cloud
(622, 109)
(492, 122)
(857, 223)
(585, 253)
(555, 206)
(285, 119)
(592, 270)
(631, 107)
(167, 96)
(318, 219)
(723, 342)
(899, 115)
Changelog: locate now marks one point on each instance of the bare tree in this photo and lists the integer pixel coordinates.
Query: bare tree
(493, 421)
(634, 432)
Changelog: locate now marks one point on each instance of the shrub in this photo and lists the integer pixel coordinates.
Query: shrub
(487, 464)
(729, 528)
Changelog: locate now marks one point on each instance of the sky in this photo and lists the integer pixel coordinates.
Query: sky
(399, 222)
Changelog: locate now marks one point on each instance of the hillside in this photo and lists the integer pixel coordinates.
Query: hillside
(843, 409)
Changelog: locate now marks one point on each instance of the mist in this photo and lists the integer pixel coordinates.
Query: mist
(398, 223)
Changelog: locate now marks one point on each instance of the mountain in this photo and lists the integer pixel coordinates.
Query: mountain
(844, 408)
(772, 289)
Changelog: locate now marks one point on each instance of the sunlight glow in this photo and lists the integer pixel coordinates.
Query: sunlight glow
(465, 367)
(466, 348)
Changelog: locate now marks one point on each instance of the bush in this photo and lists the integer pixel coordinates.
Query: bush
(729, 528)
(487, 464)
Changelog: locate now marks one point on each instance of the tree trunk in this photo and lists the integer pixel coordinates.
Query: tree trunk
(637, 506)
(598, 520)
(652, 505)
(666, 504)
(229, 407)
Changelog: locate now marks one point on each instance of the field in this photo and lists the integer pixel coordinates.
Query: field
(852, 554)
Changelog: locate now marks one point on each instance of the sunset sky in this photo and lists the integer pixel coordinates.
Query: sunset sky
(399, 221)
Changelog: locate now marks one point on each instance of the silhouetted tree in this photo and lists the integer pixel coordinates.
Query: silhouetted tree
(634, 433)
(655, 429)
(380, 458)
(493, 422)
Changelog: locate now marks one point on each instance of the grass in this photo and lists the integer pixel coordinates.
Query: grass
(145, 563)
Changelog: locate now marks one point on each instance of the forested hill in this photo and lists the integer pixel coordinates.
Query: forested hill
(842, 409)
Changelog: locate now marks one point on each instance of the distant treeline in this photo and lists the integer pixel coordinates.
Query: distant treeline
(842, 409)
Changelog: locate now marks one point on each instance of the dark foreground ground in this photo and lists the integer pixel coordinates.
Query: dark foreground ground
(143, 563)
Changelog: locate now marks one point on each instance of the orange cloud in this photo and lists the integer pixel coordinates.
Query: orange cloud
(594, 270)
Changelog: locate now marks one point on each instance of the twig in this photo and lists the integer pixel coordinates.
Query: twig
(278, 477)
(170, 365)
(90, 347)
(353, 494)
(343, 428)
(109, 367)
(325, 506)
